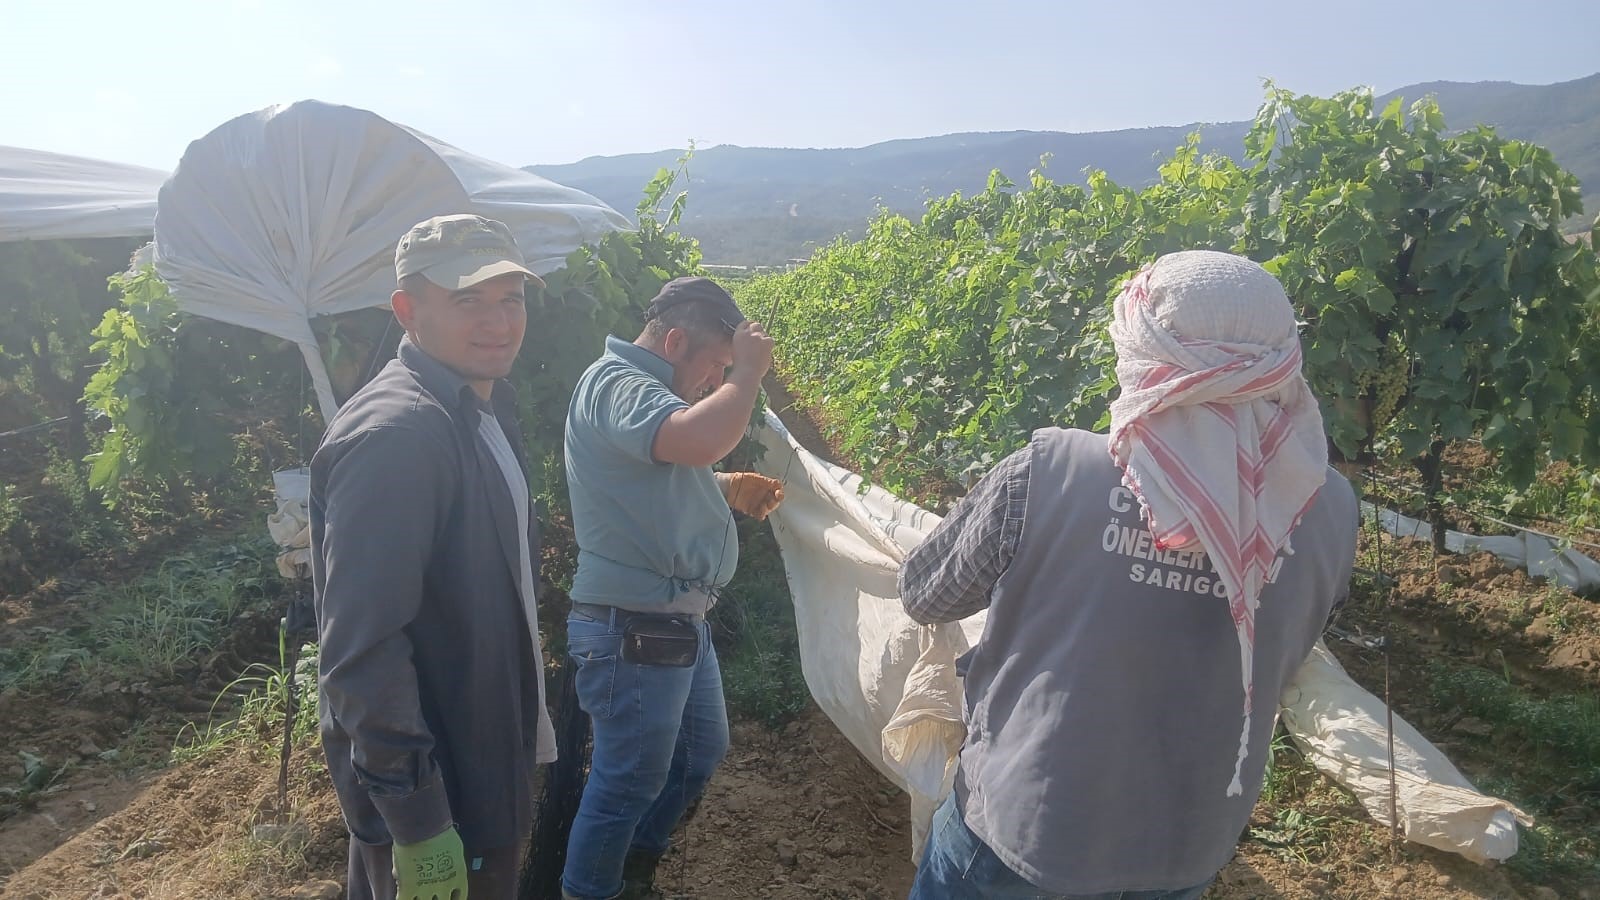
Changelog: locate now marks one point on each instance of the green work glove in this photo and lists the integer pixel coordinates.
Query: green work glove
(435, 869)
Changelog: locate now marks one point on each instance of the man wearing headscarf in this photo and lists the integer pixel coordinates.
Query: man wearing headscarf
(1142, 594)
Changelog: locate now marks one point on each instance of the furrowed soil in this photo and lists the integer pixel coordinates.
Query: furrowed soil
(795, 812)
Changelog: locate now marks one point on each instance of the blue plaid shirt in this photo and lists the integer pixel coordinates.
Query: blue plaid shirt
(949, 575)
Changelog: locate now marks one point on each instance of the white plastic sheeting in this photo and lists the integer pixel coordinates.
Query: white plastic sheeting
(50, 196)
(1341, 728)
(290, 525)
(293, 212)
(1538, 555)
(890, 686)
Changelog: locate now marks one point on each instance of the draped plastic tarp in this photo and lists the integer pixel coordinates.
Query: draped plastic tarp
(293, 212)
(51, 196)
(1341, 728)
(890, 686)
(1539, 555)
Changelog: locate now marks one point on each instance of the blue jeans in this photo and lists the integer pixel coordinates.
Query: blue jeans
(956, 865)
(659, 733)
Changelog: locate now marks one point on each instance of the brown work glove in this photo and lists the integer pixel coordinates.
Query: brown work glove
(754, 495)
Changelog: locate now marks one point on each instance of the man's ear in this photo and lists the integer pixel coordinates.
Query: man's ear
(675, 345)
(405, 308)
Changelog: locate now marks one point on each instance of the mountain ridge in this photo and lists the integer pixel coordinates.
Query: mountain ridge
(764, 205)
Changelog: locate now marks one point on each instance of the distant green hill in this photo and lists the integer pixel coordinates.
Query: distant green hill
(754, 205)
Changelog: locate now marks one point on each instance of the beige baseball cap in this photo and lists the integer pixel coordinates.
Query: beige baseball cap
(459, 251)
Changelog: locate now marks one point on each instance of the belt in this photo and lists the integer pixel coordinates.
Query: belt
(616, 615)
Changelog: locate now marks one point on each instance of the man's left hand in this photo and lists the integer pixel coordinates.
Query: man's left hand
(754, 495)
(435, 869)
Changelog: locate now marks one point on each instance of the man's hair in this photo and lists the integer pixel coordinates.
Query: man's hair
(703, 320)
(414, 284)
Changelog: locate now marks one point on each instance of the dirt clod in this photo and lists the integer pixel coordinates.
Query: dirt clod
(143, 849)
(316, 890)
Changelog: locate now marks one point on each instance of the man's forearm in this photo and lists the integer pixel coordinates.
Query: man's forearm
(719, 421)
(951, 574)
(935, 590)
(375, 699)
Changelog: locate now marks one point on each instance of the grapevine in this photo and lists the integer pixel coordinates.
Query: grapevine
(1440, 299)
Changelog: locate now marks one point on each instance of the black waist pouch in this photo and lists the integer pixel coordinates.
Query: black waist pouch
(660, 641)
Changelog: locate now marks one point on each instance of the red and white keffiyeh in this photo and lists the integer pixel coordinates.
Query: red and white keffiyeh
(1215, 429)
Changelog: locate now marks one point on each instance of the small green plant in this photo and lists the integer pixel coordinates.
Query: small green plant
(262, 692)
(158, 624)
(1283, 764)
(38, 777)
(1558, 609)
(1516, 608)
(1296, 796)
(1564, 495)
(1548, 851)
(1296, 833)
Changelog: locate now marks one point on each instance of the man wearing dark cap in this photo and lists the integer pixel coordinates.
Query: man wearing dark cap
(656, 541)
(423, 548)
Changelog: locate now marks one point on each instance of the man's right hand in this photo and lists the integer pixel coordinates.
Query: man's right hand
(754, 495)
(752, 351)
(709, 430)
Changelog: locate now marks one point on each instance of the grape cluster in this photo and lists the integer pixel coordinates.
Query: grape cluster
(1386, 383)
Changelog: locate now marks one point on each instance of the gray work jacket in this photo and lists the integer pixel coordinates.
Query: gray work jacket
(429, 680)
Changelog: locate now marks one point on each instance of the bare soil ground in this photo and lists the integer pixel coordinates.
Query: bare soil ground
(795, 812)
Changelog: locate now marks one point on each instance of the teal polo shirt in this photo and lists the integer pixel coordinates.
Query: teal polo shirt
(652, 536)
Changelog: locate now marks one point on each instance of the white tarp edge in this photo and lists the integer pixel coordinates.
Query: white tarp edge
(1536, 554)
(890, 686)
(290, 525)
(52, 196)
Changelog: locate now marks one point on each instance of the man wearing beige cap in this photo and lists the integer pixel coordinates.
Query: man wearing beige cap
(424, 547)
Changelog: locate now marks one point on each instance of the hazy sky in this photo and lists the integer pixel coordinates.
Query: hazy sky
(526, 81)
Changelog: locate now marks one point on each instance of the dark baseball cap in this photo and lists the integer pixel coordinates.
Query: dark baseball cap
(691, 288)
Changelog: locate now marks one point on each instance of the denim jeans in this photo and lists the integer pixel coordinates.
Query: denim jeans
(659, 733)
(958, 866)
